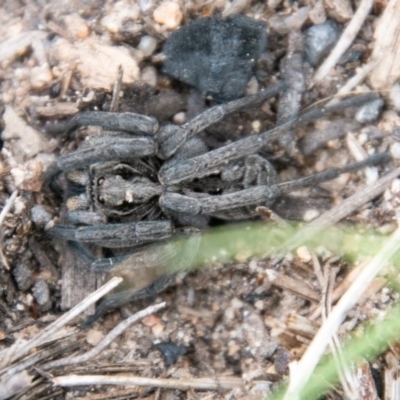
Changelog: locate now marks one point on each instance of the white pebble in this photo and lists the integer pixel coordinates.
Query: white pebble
(395, 150)
(41, 77)
(93, 337)
(168, 14)
(149, 75)
(310, 215)
(121, 12)
(179, 118)
(147, 45)
(394, 96)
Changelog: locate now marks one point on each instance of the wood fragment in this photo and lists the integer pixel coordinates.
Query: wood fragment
(392, 377)
(367, 387)
(57, 110)
(288, 283)
(217, 383)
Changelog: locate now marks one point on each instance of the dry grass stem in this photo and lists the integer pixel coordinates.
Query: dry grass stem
(107, 340)
(51, 329)
(217, 383)
(342, 210)
(7, 206)
(301, 371)
(288, 283)
(345, 40)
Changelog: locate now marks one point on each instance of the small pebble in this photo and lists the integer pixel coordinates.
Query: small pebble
(23, 276)
(40, 216)
(93, 337)
(304, 254)
(179, 118)
(395, 150)
(157, 329)
(121, 12)
(319, 40)
(394, 95)
(284, 24)
(147, 45)
(170, 351)
(41, 77)
(168, 14)
(149, 75)
(76, 26)
(310, 215)
(41, 294)
(369, 112)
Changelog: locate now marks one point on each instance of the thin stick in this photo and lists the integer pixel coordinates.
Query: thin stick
(220, 382)
(112, 335)
(7, 206)
(117, 90)
(360, 75)
(345, 40)
(49, 330)
(301, 372)
(342, 210)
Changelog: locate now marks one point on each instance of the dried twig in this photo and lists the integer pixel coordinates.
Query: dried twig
(222, 382)
(342, 210)
(112, 335)
(7, 206)
(345, 40)
(301, 372)
(288, 283)
(49, 330)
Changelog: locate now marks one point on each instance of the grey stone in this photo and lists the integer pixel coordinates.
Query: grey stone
(41, 293)
(40, 216)
(370, 112)
(319, 40)
(23, 276)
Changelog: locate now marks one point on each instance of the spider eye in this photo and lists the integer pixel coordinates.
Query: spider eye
(100, 199)
(100, 181)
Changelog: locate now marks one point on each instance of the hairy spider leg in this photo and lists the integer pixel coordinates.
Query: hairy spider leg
(257, 195)
(197, 166)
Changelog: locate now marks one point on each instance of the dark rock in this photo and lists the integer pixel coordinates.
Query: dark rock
(216, 56)
(170, 352)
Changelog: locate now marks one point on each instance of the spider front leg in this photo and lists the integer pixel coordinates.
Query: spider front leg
(121, 121)
(116, 148)
(116, 235)
(199, 166)
(170, 137)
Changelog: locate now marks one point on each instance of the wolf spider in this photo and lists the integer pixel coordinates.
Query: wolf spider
(136, 184)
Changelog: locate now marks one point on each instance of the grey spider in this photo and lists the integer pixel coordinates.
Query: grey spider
(137, 184)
